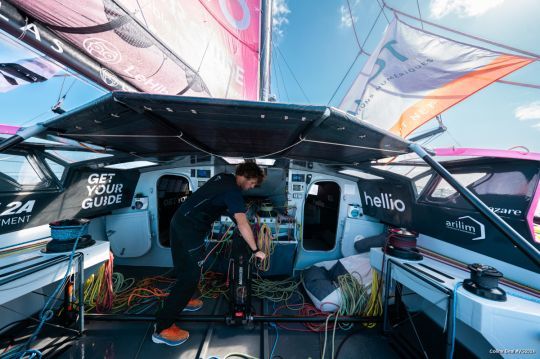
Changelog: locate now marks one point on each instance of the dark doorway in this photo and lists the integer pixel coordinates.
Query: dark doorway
(171, 192)
(321, 216)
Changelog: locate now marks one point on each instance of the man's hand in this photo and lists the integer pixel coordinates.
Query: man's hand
(260, 255)
(245, 230)
(247, 234)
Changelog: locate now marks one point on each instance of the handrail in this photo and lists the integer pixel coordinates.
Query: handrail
(33, 268)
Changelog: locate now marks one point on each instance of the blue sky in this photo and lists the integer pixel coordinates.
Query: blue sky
(316, 39)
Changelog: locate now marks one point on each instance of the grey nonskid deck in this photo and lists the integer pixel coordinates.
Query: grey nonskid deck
(115, 339)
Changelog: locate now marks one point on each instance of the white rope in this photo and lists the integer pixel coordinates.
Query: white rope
(180, 137)
(246, 158)
(120, 136)
(353, 146)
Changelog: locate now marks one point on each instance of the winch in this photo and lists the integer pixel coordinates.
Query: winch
(401, 243)
(484, 282)
(66, 232)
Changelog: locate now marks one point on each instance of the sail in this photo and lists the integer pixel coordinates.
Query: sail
(25, 71)
(412, 76)
(189, 47)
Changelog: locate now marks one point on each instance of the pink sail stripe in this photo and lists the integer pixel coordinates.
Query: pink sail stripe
(533, 156)
(530, 215)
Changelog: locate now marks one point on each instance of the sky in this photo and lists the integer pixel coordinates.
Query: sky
(314, 46)
(318, 43)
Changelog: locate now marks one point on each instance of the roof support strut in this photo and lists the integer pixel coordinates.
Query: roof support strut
(22, 134)
(526, 247)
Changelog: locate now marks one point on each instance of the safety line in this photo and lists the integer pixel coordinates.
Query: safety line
(353, 146)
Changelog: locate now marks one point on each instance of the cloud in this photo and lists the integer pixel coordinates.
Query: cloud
(528, 112)
(280, 13)
(345, 19)
(462, 8)
(345, 14)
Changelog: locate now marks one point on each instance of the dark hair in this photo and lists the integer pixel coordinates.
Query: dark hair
(250, 170)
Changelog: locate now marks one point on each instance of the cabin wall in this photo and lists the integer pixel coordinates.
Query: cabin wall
(26, 211)
(451, 226)
(157, 255)
(286, 195)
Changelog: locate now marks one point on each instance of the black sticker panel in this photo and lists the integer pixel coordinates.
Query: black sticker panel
(506, 187)
(89, 193)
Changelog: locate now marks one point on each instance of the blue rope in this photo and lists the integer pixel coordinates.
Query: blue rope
(275, 342)
(46, 312)
(454, 315)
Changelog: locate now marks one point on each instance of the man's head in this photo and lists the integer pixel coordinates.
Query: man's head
(248, 175)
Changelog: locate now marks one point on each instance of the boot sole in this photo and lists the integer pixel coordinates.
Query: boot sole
(192, 309)
(159, 340)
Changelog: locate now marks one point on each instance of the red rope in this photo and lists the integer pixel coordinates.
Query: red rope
(105, 299)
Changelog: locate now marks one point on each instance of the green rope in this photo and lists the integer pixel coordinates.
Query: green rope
(354, 295)
(276, 290)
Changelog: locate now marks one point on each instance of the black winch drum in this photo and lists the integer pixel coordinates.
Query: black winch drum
(484, 282)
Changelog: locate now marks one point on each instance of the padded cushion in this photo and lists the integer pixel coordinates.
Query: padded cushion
(337, 270)
(365, 244)
(318, 281)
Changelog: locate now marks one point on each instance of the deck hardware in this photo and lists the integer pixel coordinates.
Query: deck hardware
(484, 282)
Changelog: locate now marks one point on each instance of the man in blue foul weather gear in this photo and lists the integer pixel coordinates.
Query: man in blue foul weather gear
(222, 194)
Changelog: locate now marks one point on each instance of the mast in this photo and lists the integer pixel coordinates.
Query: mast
(266, 43)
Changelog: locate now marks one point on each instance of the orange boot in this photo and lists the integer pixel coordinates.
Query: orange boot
(193, 305)
(172, 336)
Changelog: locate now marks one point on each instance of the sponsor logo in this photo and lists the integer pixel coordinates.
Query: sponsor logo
(111, 79)
(19, 212)
(102, 50)
(468, 225)
(154, 86)
(101, 191)
(508, 211)
(108, 77)
(385, 201)
(241, 24)
(33, 29)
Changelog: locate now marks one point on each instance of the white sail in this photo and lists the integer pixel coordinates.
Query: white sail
(412, 76)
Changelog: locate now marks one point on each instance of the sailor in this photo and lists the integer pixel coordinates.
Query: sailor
(222, 194)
